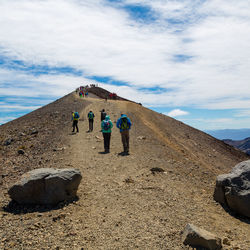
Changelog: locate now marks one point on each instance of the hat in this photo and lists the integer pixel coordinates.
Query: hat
(123, 115)
(107, 117)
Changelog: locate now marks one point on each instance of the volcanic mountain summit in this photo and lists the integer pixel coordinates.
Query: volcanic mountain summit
(122, 202)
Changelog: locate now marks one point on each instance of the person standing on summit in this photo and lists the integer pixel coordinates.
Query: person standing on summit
(124, 124)
(91, 120)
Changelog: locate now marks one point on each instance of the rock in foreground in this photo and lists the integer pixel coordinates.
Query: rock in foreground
(233, 189)
(46, 186)
(199, 238)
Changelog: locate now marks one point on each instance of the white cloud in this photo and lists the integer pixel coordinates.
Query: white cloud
(6, 119)
(218, 123)
(102, 40)
(5, 108)
(243, 113)
(177, 112)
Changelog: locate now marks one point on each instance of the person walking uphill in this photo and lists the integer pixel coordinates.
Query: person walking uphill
(75, 118)
(106, 126)
(124, 124)
(103, 115)
(91, 120)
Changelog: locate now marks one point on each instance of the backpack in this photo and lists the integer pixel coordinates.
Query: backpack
(91, 115)
(124, 124)
(106, 125)
(76, 115)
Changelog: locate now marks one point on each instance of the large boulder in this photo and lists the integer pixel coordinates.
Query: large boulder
(233, 189)
(46, 186)
(200, 238)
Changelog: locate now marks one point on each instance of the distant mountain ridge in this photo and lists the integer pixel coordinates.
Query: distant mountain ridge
(243, 145)
(233, 134)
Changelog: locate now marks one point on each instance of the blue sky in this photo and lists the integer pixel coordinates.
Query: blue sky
(188, 59)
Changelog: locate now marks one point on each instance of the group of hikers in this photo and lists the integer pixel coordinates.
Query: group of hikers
(123, 124)
(83, 90)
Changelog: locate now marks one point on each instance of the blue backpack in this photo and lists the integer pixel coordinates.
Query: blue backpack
(76, 115)
(106, 125)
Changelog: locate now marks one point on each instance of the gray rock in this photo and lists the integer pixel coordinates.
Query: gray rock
(46, 186)
(8, 142)
(233, 189)
(200, 238)
(34, 132)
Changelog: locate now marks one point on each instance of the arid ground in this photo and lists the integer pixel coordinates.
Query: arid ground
(121, 203)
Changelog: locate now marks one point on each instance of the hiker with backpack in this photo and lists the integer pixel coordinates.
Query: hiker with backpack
(106, 126)
(75, 118)
(103, 115)
(124, 124)
(91, 120)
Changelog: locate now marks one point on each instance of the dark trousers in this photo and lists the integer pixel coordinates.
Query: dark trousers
(91, 121)
(75, 125)
(125, 140)
(106, 137)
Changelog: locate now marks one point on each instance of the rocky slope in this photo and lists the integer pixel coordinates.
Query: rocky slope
(243, 145)
(122, 203)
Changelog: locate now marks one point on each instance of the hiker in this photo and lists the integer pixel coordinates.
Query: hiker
(103, 115)
(91, 120)
(124, 124)
(106, 126)
(75, 118)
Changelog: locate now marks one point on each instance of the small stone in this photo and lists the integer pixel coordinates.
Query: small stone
(34, 132)
(226, 242)
(141, 137)
(59, 149)
(21, 152)
(197, 237)
(156, 169)
(129, 180)
(8, 142)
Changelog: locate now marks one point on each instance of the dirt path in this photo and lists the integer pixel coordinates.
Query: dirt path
(122, 204)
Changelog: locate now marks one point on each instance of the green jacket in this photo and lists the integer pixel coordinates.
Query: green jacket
(107, 119)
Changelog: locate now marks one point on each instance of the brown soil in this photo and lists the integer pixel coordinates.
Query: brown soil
(122, 204)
